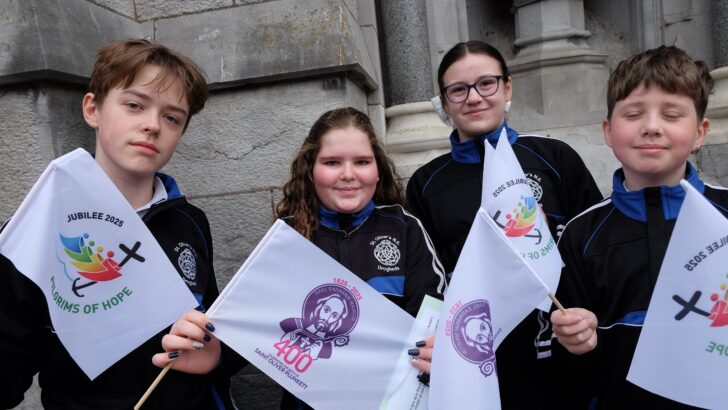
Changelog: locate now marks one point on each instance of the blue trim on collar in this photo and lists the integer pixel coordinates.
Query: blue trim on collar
(330, 219)
(632, 203)
(468, 153)
(170, 185)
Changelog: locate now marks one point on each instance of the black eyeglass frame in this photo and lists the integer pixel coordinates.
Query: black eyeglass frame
(472, 86)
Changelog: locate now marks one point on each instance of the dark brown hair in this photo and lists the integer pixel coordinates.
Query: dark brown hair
(667, 67)
(118, 63)
(299, 195)
(460, 50)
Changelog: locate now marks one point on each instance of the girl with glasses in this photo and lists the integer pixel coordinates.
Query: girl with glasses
(475, 92)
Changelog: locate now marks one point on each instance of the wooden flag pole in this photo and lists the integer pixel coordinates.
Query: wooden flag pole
(557, 303)
(153, 385)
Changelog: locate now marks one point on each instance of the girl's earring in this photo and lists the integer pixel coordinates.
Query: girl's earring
(695, 150)
(437, 105)
(508, 106)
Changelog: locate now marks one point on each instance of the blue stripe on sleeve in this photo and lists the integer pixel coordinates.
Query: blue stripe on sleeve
(390, 285)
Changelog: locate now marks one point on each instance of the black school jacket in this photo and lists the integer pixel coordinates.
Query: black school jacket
(446, 193)
(613, 253)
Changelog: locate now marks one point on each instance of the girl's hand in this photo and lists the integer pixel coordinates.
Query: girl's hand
(576, 330)
(421, 355)
(190, 345)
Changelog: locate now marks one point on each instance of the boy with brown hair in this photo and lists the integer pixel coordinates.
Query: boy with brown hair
(141, 98)
(613, 251)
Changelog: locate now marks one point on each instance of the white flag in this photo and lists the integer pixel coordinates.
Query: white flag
(682, 353)
(508, 198)
(314, 327)
(108, 284)
(492, 290)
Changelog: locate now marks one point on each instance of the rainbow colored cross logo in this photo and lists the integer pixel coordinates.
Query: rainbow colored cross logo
(718, 314)
(91, 264)
(522, 221)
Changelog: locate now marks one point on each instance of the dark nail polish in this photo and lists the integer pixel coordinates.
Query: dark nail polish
(421, 343)
(209, 327)
(413, 352)
(173, 355)
(206, 338)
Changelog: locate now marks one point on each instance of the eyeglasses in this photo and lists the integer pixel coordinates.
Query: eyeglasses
(485, 87)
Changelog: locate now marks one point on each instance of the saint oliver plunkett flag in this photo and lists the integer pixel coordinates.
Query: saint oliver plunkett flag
(108, 284)
(491, 291)
(508, 198)
(314, 327)
(682, 352)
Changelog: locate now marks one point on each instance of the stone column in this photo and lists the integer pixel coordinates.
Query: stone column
(559, 80)
(711, 158)
(412, 125)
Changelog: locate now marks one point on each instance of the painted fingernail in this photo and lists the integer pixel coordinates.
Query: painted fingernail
(206, 338)
(414, 359)
(209, 327)
(421, 343)
(173, 355)
(197, 345)
(413, 352)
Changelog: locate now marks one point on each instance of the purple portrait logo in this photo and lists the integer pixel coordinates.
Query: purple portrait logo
(472, 335)
(330, 312)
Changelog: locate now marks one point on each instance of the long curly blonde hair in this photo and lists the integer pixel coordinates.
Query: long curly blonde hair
(300, 202)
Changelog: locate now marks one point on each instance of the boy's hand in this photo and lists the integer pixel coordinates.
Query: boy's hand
(190, 345)
(422, 357)
(576, 330)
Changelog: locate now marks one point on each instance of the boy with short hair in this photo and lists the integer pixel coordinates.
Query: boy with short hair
(613, 251)
(141, 98)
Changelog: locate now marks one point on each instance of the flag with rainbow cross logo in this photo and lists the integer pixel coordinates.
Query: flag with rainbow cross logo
(682, 352)
(510, 199)
(108, 284)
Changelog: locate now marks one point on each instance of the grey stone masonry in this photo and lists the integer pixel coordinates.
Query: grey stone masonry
(719, 27)
(57, 39)
(408, 76)
(558, 79)
(272, 41)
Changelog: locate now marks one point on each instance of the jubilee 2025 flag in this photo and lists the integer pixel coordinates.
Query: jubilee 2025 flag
(108, 284)
(492, 290)
(315, 328)
(682, 352)
(509, 199)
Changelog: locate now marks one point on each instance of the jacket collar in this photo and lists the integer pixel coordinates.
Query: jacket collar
(333, 219)
(170, 185)
(470, 152)
(632, 203)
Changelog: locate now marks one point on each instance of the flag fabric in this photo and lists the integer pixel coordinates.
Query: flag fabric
(108, 284)
(314, 327)
(412, 394)
(508, 198)
(492, 290)
(682, 352)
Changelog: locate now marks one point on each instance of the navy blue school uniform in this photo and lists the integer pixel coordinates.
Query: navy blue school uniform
(613, 253)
